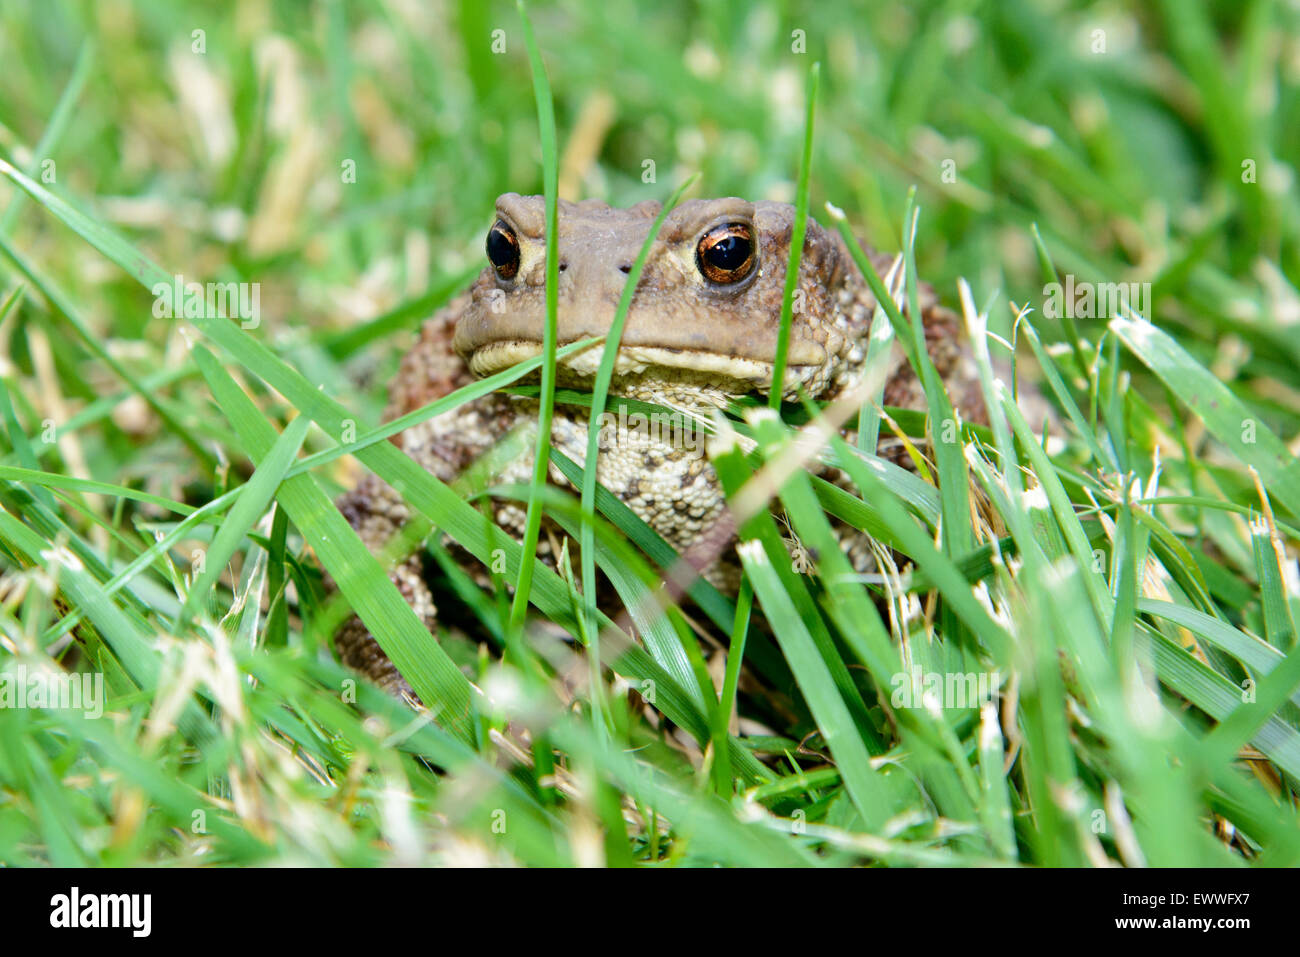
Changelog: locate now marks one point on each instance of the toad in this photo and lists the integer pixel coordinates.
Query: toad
(701, 330)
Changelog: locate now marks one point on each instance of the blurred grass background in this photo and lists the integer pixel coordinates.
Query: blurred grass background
(345, 156)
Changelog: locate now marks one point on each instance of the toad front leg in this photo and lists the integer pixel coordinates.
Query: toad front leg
(377, 513)
(443, 445)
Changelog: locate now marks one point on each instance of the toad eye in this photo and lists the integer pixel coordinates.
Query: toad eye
(503, 250)
(725, 253)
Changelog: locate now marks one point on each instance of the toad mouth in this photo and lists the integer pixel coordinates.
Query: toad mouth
(656, 362)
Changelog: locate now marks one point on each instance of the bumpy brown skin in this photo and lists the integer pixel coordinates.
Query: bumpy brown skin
(688, 344)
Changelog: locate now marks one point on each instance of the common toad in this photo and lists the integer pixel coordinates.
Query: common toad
(702, 329)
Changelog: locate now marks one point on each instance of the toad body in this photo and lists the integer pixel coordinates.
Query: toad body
(701, 330)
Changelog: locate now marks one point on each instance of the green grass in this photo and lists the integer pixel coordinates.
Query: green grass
(166, 484)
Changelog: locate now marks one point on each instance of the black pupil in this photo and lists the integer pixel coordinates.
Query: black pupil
(501, 248)
(729, 253)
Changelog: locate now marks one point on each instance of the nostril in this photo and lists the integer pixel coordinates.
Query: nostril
(563, 265)
(625, 268)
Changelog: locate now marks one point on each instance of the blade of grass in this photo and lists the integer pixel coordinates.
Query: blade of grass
(819, 687)
(252, 504)
(1227, 418)
(777, 391)
(546, 410)
(54, 130)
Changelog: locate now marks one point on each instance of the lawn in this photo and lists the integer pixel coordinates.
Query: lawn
(1083, 652)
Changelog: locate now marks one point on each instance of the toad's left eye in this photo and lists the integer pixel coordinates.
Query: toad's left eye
(503, 250)
(725, 253)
